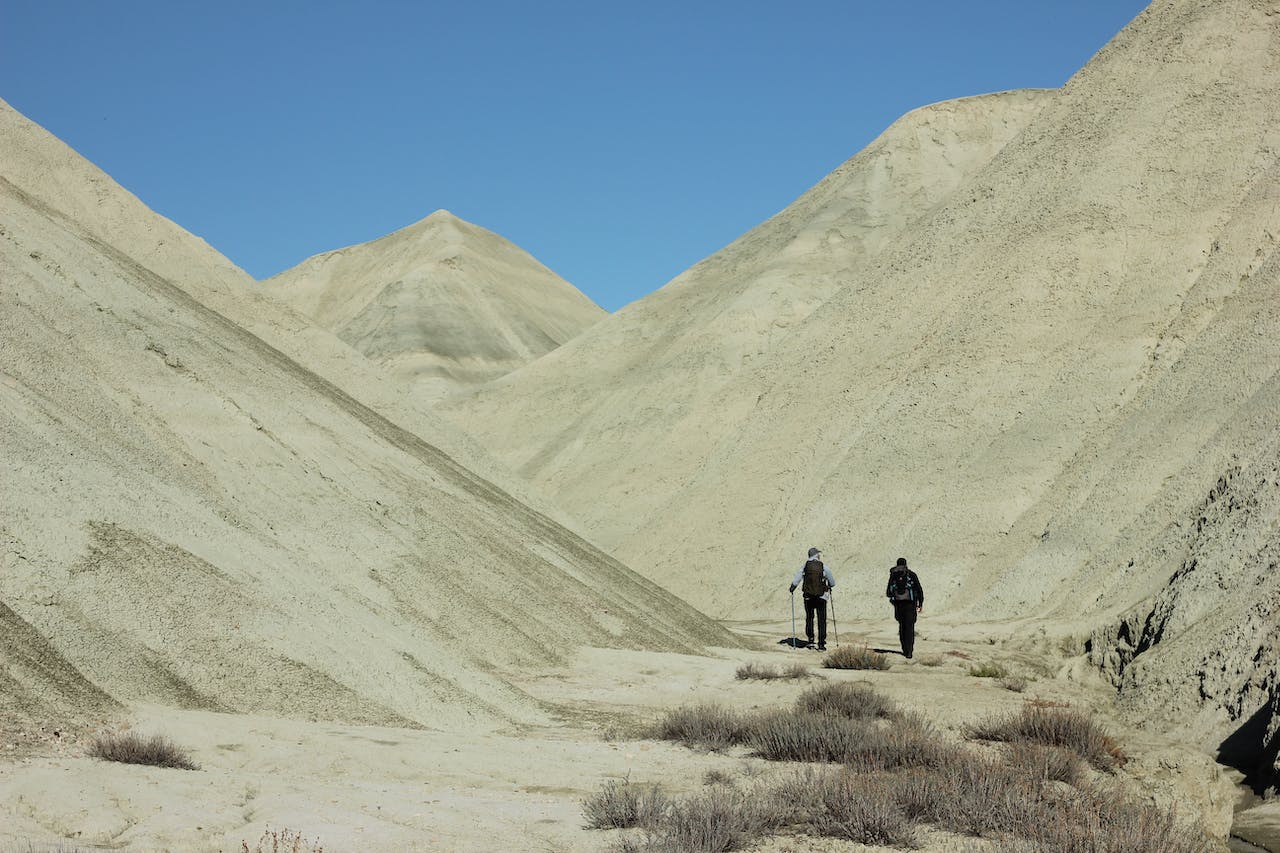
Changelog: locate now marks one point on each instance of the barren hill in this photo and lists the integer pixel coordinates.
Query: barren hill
(1055, 393)
(208, 502)
(441, 303)
(613, 423)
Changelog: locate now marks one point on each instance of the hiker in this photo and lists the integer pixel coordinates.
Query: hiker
(815, 581)
(907, 597)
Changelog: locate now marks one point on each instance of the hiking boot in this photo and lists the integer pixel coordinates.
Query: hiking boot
(822, 648)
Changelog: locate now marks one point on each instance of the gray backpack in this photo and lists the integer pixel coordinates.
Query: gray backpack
(900, 587)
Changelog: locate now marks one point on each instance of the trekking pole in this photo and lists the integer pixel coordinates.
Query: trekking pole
(835, 626)
(793, 620)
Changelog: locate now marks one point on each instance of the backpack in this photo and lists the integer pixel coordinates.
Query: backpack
(900, 587)
(815, 584)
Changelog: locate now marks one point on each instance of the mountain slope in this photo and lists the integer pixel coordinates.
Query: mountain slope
(441, 303)
(1029, 393)
(613, 424)
(192, 516)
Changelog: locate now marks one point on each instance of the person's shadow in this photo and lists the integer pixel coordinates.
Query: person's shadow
(889, 651)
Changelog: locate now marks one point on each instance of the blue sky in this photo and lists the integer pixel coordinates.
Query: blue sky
(618, 142)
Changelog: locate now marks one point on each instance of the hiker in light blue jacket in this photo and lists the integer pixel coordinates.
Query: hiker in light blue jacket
(815, 581)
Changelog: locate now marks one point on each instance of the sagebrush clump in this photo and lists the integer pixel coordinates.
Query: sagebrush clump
(890, 772)
(1061, 727)
(856, 657)
(764, 672)
(130, 748)
(620, 804)
(846, 700)
(282, 841)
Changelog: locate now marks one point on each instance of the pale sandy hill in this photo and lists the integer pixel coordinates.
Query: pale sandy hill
(441, 303)
(1029, 393)
(615, 421)
(192, 517)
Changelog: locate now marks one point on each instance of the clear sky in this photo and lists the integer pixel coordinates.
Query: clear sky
(618, 142)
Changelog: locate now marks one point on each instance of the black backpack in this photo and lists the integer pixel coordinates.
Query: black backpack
(900, 587)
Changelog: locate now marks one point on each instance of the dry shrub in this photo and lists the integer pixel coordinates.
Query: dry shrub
(956, 653)
(716, 776)
(1103, 819)
(1013, 684)
(1069, 729)
(786, 736)
(908, 741)
(988, 670)
(709, 726)
(861, 808)
(716, 819)
(855, 701)
(855, 657)
(930, 660)
(621, 804)
(1046, 763)
(282, 841)
(763, 672)
(130, 748)
(1015, 803)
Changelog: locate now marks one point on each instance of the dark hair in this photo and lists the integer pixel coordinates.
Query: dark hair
(902, 561)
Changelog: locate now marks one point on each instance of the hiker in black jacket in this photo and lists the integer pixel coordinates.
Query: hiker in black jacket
(815, 580)
(907, 597)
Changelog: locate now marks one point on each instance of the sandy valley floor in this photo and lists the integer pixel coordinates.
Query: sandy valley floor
(365, 788)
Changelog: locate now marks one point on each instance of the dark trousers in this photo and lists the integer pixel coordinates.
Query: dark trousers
(815, 605)
(905, 613)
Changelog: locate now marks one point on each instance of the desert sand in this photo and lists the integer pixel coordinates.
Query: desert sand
(442, 304)
(391, 788)
(1027, 339)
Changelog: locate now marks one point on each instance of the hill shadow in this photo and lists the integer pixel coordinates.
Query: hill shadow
(1241, 750)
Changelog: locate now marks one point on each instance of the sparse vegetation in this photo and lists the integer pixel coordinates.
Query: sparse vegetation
(716, 776)
(764, 672)
(282, 841)
(707, 726)
(973, 795)
(855, 657)
(863, 809)
(1013, 683)
(930, 660)
(130, 748)
(988, 670)
(1065, 728)
(1049, 763)
(898, 773)
(856, 701)
(786, 736)
(620, 804)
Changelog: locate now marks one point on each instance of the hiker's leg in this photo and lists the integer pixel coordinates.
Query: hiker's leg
(820, 607)
(900, 613)
(808, 617)
(909, 632)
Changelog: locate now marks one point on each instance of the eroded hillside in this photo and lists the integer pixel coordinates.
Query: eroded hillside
(442, 303)
(1029, 391)
(193, 517)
